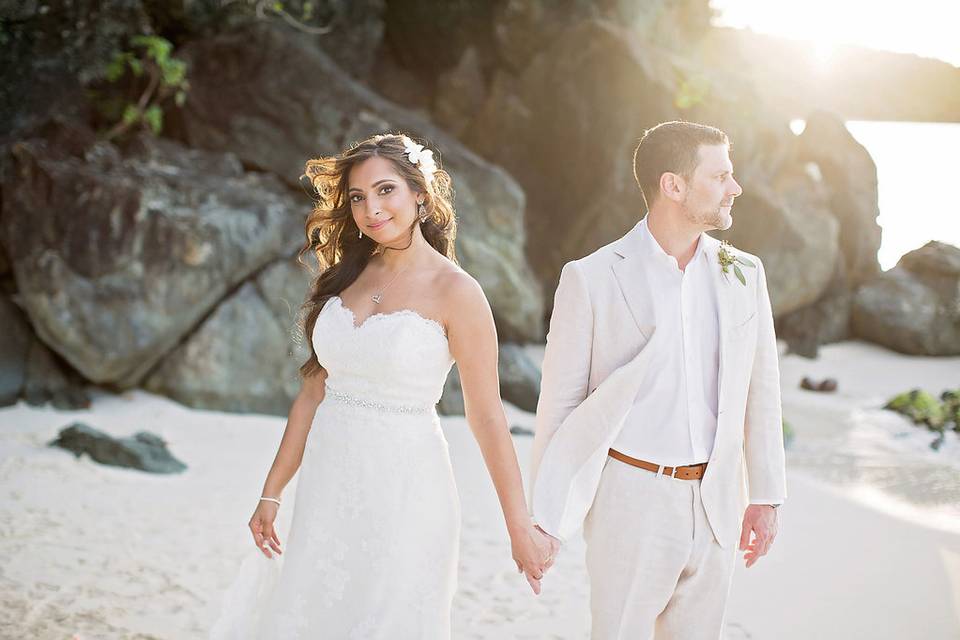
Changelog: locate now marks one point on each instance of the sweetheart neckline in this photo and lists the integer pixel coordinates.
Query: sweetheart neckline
(399, 312)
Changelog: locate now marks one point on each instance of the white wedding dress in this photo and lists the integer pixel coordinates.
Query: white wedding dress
(373, 543)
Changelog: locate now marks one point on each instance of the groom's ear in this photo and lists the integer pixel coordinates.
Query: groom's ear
(672, 186)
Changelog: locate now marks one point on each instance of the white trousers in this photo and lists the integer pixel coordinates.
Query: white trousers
(655, 568)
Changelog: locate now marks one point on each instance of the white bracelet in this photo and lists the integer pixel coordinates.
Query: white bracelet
(277, 500)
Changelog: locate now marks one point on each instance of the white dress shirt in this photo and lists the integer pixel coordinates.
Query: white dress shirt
(674, 417)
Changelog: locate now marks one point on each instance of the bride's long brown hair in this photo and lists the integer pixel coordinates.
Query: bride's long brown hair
(332, 233)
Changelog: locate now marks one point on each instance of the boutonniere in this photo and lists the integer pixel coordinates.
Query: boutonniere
(727, 260)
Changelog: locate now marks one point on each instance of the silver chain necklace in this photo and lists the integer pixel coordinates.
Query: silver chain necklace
(377, 297)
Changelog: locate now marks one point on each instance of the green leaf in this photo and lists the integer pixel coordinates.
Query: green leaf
(174, 71)
(157, 48)
(739, 274)
(180, 98)
(745, 262)
(114, 69)
(153, 116)
(136, 66)
(278, 6)
(130, 114)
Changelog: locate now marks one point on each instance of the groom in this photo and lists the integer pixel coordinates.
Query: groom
(659, 412)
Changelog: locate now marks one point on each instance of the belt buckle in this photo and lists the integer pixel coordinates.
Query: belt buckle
(674, 474)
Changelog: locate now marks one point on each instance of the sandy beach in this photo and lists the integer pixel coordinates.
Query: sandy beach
(869, 543)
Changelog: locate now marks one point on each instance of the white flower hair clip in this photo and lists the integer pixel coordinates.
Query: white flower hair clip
(420, 158)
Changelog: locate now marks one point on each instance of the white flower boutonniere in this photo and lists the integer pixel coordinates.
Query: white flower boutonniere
(727, 260)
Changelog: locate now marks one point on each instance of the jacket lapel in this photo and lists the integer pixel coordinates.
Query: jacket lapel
(725, 308)
(631, 277)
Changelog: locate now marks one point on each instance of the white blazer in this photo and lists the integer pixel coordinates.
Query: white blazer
(598, 352)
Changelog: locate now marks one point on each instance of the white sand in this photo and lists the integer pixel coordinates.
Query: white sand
(89, 551)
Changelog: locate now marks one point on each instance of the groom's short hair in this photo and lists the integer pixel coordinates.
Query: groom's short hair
(670, 147)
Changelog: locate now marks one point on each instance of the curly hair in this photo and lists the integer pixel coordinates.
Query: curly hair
(332, 233)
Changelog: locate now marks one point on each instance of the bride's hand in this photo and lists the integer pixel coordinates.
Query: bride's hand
(261, 526)
(533, 552)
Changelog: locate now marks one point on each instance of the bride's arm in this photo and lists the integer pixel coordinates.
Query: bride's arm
(473, 344)
(286, 462)
(290, 453)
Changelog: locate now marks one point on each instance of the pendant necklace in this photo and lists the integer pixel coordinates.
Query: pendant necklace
(377, 297)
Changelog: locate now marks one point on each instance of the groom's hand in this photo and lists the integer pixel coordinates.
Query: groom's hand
(554, 546)
(761, 521)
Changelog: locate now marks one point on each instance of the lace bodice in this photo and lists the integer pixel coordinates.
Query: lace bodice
(398, 357)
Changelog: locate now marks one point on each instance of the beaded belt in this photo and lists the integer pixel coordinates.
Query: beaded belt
(368, 404)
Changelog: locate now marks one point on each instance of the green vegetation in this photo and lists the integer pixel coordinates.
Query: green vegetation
(788, 433)
(924, 409)
(152, 76)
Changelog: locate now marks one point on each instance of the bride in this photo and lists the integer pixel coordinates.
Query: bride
(374, 538)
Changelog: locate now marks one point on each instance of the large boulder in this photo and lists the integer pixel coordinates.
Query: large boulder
(519, 382)
(825, 321)
(117, 255)
(519, 377)
(566, 128)
(51, 50)
(850, 177)
(29, 369)
(271, 98)
(15, 341)
(787, 224)
(246, 354)
(914, 308)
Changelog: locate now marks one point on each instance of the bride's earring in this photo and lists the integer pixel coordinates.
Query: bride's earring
(422, 212)
(359, 233)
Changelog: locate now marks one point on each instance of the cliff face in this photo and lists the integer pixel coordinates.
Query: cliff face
(139, 262)
(854, 82)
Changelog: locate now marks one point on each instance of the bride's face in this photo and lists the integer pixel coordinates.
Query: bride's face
(382, 202)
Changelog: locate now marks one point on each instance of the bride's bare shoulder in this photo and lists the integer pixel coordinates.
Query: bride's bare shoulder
(459, 290)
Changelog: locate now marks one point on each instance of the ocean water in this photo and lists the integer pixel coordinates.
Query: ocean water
(917, 169)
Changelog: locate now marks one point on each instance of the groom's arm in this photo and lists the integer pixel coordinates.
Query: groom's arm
(763, 428)
(566, 361)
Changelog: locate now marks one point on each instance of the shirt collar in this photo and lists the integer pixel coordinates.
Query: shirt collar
(653, 247)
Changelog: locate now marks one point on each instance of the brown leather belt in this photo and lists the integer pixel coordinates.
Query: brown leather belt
(692, 472)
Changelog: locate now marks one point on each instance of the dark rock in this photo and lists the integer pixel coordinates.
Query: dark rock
(245, 356)
(429, 38)
(825, 321)
(144, 450)
(542, 126)
(243, 82)
(118, 254)
(451, 402)
(937, 262)
(795, 238)
(914, 308)
(51, 50)
(355, 33)
(30, 370)
(15, 341)
(519, 382)
(519, 377)
(50, 379)
(850, 176)
(520, 431)
(460, 92)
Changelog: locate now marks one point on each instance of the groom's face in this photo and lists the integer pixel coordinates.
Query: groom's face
(708, 201)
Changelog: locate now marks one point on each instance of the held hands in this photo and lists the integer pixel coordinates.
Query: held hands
(534, 551)
(261, 526)
(761, 520)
